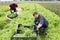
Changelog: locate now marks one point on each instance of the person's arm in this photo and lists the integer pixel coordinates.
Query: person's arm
(40, 23)
(34, 21)
(9, 7)
(16, 5)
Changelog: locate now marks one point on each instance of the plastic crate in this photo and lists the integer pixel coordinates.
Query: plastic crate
(24, 38)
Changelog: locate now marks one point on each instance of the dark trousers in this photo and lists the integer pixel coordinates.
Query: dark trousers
(41, 30)
(13, 9)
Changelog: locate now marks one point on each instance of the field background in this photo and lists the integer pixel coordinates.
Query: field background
(54, 7)
(7, 28)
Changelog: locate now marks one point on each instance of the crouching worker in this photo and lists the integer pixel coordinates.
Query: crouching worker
(40, 23)
(14, 8)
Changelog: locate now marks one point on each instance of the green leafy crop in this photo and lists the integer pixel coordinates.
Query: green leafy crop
(53, 31)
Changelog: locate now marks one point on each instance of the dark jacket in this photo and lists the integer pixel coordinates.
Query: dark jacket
(41, 19)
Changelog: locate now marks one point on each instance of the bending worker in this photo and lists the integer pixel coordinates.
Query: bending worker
(13, 7)
(40, 23)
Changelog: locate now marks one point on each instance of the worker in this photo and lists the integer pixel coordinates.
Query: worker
(40, 23)
(13, 7)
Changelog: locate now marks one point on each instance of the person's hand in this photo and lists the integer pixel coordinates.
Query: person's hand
(9, 7)
(39, 25)
(37, 28)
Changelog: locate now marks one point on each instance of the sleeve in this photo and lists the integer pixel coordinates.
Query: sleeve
(9, 5)
(16, 5)
(41, 20)
(34, 21)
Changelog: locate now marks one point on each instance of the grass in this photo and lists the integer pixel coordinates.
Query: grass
(53, 31)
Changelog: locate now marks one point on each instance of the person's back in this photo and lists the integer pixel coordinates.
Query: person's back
(13, 5)
(41, 19)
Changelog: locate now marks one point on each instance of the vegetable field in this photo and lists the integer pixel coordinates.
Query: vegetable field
(7, 28)
(54, 7)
